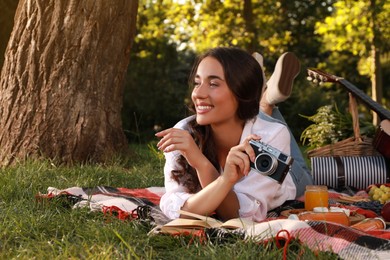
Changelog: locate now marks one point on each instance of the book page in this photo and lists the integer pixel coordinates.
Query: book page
(238, 223)
(212, 222)
(187, 223)
(231, 223)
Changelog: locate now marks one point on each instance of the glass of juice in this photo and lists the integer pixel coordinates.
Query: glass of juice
(316, 196)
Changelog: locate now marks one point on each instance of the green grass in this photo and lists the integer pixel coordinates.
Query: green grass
(34, 230)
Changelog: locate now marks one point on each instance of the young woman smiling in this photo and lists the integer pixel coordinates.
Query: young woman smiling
(208, 154)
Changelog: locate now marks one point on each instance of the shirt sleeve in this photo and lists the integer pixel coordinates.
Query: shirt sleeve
(262, 194)
(175, 194)
(256, 193)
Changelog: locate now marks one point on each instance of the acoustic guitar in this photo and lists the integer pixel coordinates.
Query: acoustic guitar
(382, 137)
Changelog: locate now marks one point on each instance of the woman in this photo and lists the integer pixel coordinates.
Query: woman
(208, 155)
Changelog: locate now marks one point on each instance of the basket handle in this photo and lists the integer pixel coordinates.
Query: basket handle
(355, 117)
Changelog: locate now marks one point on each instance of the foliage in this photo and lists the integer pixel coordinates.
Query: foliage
(350, 27)
(331, 125)
(324, 130)
(325, 34)
(156, 85)
(32, 229)
(248, 24)
(358, 29)
(171, 33)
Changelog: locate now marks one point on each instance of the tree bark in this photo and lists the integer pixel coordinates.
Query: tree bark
(249, 26)
(62, 80)
(376, 68)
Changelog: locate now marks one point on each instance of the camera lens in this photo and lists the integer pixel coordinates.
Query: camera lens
(266, 164)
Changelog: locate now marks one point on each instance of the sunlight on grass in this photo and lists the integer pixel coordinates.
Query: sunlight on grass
(32, 229)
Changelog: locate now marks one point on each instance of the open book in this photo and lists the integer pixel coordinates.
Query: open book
(200, 222)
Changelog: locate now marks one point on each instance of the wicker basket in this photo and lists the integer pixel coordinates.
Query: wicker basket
(353, 146)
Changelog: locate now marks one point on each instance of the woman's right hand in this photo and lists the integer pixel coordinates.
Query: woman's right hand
(174, 139)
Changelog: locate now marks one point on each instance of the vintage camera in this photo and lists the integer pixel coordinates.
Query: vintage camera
(270, 161)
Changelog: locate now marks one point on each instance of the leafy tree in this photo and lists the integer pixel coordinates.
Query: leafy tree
(359, 27)
(170, 32)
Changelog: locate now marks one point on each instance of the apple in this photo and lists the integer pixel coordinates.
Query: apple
(385, 212)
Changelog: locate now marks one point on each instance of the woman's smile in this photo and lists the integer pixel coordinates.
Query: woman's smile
(203, 108)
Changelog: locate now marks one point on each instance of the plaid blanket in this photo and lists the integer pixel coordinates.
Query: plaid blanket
(121, 202)
(347, 242)
(125, 203)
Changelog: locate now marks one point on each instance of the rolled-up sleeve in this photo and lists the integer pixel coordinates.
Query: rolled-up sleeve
(248, 205)
(257, 194)
(175, 195)
(172, 202)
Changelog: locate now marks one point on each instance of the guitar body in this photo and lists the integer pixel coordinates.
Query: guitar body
(382, 138)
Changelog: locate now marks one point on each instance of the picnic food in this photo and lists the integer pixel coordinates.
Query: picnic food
(335, 217)
(353, 199)
(385, 212)
(373, 205)
(381, 193)
(370, 224)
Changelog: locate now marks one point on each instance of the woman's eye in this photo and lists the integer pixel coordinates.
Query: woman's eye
(213, 84)
(196, 83)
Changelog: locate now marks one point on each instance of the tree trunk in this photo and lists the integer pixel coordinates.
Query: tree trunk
(249, 26)
(376, 68)
(376, 80)
(62, 80)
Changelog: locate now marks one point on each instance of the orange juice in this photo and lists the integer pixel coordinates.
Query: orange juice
(316, 196)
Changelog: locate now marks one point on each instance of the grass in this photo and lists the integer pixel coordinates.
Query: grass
(32, 230)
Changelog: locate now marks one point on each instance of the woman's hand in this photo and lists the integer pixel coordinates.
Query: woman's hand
(238, 160)
(174, 139)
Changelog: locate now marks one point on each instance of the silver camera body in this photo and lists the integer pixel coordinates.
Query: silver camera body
(270, 161)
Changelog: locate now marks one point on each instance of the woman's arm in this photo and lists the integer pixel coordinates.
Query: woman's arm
(219, 195)
(216, 194)
(175, 142)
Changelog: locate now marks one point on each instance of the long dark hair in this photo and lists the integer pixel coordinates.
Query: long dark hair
(244, 77)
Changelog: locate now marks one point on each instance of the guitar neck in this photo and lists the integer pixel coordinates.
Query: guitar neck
(381, 111)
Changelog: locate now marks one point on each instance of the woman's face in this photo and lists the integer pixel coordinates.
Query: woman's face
(214, 102)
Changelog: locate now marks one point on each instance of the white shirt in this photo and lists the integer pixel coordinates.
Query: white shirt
(256, 193)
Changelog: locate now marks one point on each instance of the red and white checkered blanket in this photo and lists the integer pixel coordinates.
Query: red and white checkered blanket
(125, 203)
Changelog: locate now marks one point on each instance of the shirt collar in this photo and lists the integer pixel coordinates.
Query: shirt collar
(248, 128)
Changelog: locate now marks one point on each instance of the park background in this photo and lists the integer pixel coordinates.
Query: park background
(349, 39)
(346, 38)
